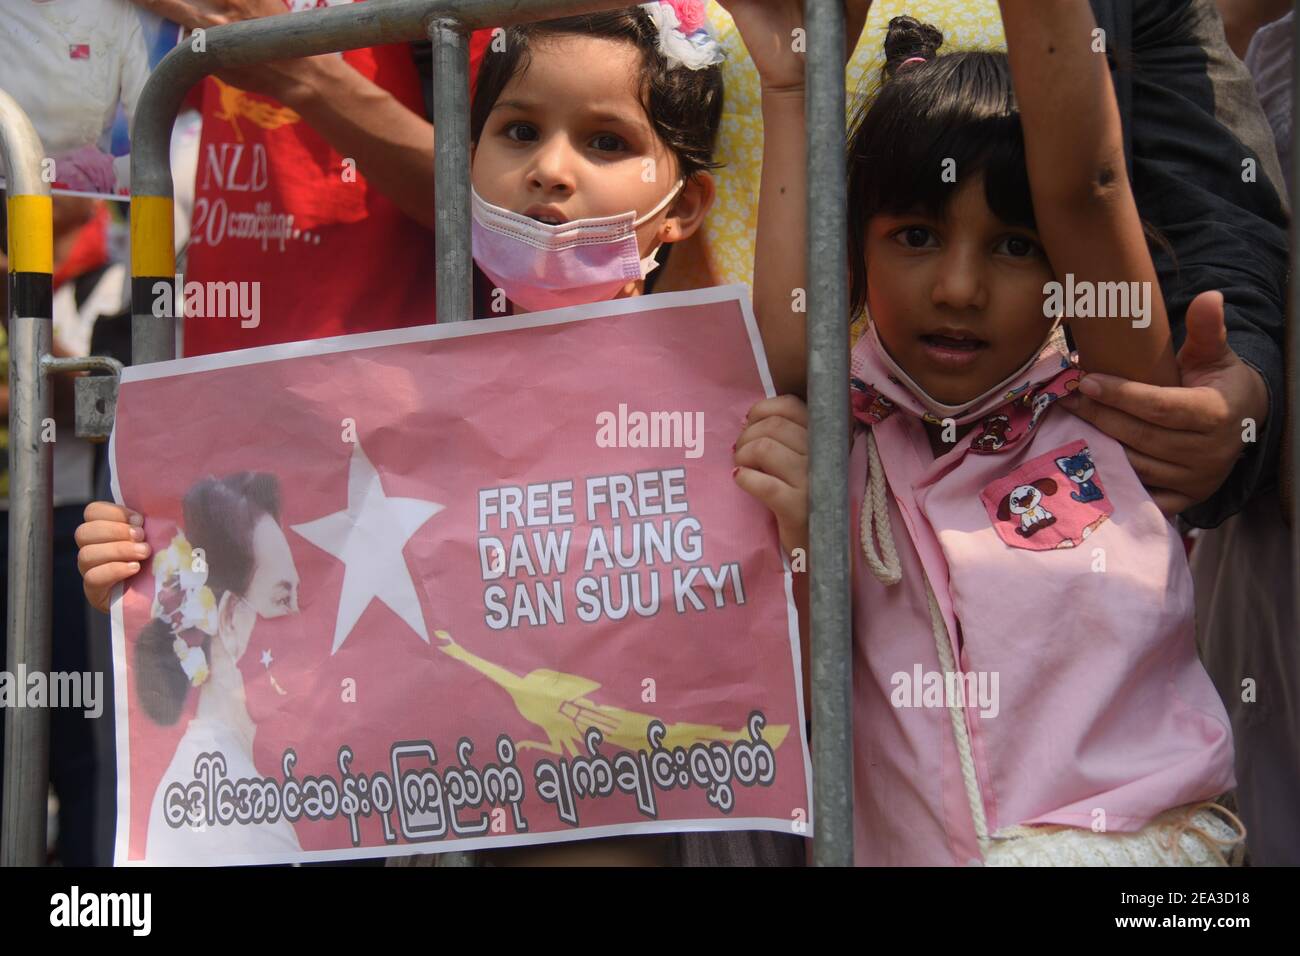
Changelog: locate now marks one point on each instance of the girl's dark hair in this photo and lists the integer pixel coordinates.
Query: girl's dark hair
(958, 107)
(220, 515)
(684, 106)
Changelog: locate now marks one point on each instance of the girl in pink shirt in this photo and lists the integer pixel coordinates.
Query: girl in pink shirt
(1026, 686)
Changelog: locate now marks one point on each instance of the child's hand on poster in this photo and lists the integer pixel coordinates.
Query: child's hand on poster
(111, 546)
(772, 464)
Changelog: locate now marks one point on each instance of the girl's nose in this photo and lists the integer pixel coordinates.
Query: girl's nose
(960, 283)
(552, 167)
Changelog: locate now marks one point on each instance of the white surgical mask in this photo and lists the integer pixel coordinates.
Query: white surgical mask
(937, 408)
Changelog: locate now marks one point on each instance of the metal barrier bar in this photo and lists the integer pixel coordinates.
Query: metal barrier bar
(451, 170)
(451, 162)
(828, 413)
(31, 516)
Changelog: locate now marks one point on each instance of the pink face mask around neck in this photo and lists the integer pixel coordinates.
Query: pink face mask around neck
(541, 266)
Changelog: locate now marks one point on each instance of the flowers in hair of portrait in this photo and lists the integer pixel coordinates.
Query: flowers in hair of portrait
(181, 595)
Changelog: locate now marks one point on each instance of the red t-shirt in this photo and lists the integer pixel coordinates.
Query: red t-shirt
(277, 205)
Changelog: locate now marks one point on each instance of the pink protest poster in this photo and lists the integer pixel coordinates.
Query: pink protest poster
(454, 587)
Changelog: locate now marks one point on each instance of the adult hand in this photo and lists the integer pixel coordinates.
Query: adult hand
(279, 79)
(193, 14)
(1183, 441)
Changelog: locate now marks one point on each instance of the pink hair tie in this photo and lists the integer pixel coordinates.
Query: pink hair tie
(912, 59)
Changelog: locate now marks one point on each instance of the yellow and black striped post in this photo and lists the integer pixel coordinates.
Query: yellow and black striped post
(31, 264)
(31, 255)
(153, 261)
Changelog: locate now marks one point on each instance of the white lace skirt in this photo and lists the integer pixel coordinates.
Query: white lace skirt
(1203, 834)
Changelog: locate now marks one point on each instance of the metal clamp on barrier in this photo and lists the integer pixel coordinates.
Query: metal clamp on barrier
(96, 395)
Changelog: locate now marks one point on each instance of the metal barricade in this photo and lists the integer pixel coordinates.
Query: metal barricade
(31, 364)
(828, 425)
(31, 517)
(448, 23)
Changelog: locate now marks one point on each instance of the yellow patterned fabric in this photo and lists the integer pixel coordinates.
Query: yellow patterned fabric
(728, 232)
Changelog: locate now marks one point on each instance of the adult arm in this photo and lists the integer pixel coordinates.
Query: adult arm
(392, 146)
(1206, 177)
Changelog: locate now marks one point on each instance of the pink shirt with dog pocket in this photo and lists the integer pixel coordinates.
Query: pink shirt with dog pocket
(1064, 600)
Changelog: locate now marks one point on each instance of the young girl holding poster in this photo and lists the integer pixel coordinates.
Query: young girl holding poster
(573, 122)
(564, 152)
(1026, 686)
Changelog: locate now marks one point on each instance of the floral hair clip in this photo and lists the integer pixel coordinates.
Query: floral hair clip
(685, 37)
(184, 601)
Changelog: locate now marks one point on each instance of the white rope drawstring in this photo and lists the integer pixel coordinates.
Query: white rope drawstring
(957, 712)
(873, 523)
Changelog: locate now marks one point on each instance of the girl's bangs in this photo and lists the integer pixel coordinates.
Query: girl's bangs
(930, 130)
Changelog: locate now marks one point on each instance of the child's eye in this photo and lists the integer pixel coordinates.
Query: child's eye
(915, 237)
(1018, 247)
(607, 143)
(521, 132)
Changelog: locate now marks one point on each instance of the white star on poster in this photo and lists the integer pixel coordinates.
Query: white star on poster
(368, 537)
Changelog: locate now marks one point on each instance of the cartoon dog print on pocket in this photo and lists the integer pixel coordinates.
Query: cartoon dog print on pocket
(1052, 501)
(1025, 503)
